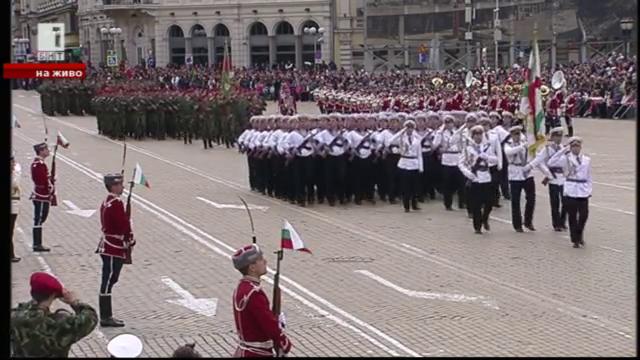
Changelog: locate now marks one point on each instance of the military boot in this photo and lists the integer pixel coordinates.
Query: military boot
(37, 241)
(106, 316)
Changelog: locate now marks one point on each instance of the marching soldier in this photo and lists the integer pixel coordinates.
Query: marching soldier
(360, 141)
(517, 151)
(495, 164)
(333, 146)
(448, 141)
(553, 177)
(391, 156)
(475, 167)
(43, 194)
(410, 165)
(577, 188)
(259, 330)
(117, 238)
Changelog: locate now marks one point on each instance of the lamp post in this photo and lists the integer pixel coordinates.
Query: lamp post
(110, 36)
(626, 25)
(20, 46)
(316, 33)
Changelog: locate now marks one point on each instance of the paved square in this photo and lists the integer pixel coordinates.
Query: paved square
(380, 282)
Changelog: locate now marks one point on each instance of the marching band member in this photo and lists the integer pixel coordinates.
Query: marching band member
(553, 177)
(577, 188)
(475, 167)
(517, 152)
(410, 164)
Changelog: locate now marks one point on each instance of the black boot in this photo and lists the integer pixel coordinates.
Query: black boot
(570, 131)
(106, 316)
(414, 204)
(37, 241)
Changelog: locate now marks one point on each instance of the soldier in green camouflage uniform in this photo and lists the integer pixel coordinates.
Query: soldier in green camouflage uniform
(46, 98)
(37, 332)
(61, 98)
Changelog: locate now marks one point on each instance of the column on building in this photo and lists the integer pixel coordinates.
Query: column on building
(299, 51)
(188, 48)
(211, 50)
(272, 49)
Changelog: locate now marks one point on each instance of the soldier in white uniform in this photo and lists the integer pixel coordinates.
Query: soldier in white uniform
(285, 177)
(554, 177)
(495, 165)
(500, 130)
(447, 141)
(333, 149)
(243, 147)
(410, 164)
(360, 141)
(517, 152)
(577, 188)
(391, 156)
(299, 151)
(475, 167)
(273, 167)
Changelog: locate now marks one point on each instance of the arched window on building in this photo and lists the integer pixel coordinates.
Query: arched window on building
(259, 44)
(199, 46)
(285, 44)
(176, 45)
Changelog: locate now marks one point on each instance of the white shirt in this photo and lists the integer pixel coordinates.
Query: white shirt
(495, 149)
(356, 139)
(242, 139)
(553, 173)
(410, 151)
(281, 146)
(386, 136)
(326, 137)
(427, 140)
(517, 156)
(475, 151)
(500, 132)
(448, 142)
(577, 169)
(15, 188)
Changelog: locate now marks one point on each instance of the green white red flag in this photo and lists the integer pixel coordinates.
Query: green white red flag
(291, 240)
(531, 100)
(139, 178)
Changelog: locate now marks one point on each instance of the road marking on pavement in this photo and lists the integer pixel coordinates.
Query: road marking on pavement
(612, 249)
(614, 185)
(430, 295)
(232, 206)
(184, 227)
(206, 307)
(577, 313)
(46, 268)
(595, 205)
(73, 209)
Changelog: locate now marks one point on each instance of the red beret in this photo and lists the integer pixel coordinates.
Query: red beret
(45, 284)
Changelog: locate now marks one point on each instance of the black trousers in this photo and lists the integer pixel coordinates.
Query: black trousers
(504, 178)
(558, 210)
(309, 180)
(319, 180)
(335, 175)
(480, 202)
(111, 267)
(40, 213)
(289, 178)
(409, 185)
(299, 176)
(380, 178)
(392, 176)
(363, 186)
(452, 182)
(427, 177)
(261, 174)
(495, 184)
(578, 212)
(252, 172)
(436, 172)
(529, 187)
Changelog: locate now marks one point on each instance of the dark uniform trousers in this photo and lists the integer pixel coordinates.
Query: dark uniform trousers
(335, 172)
(392, 176)
(504, 178)
(380, 179)
(252, 172)
(363, 187)
(427, 178)
(578, 212)
(409, 185)
(480, 203)
(530, 196)
(558, 209)
(111, 267)
(289, 178)
(495, 184)
(452, 182)
(40, 214)
(309, 165)
(319, 180)
(350, 183)
(261, 174)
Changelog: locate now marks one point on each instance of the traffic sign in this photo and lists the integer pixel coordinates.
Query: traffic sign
(112, 60)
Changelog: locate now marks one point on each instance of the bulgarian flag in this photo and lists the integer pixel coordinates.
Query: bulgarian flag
(62, 141)
(291, 239)
(531, 100)
(227, 73)
(139, 178)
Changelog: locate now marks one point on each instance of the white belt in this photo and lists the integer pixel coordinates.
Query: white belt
(257, 344)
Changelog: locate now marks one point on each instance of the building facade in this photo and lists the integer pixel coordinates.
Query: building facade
(196, 31)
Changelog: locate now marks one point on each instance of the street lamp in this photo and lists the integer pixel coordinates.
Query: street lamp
(110, 34)
(316, 33)
(626, 25)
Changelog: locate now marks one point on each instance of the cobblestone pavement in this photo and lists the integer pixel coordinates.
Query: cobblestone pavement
(380, 282)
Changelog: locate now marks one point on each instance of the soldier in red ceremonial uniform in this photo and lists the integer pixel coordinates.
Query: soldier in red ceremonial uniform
(551, 118)
(569, 112)
(493, 103)
(117, 237)
(503, 105)
(258, 328)
(42, 195)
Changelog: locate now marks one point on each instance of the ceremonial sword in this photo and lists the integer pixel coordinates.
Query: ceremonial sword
(253, 230)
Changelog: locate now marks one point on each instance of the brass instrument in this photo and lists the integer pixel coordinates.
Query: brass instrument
(436, 81)
(450, 86)
(544, 90)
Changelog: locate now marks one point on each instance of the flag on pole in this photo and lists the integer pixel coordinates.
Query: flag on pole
(62, 141)
(139, 178)
(227, 73)
(291, 239)
(531, 99)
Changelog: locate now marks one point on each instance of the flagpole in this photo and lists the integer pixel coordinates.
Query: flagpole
(277, 296)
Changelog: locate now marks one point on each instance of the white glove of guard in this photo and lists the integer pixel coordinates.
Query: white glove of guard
(282, 320)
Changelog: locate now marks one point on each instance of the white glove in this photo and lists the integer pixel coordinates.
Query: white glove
(484, 156)
(282, 320)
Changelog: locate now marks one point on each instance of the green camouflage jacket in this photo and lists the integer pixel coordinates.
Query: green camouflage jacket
(36, 332)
